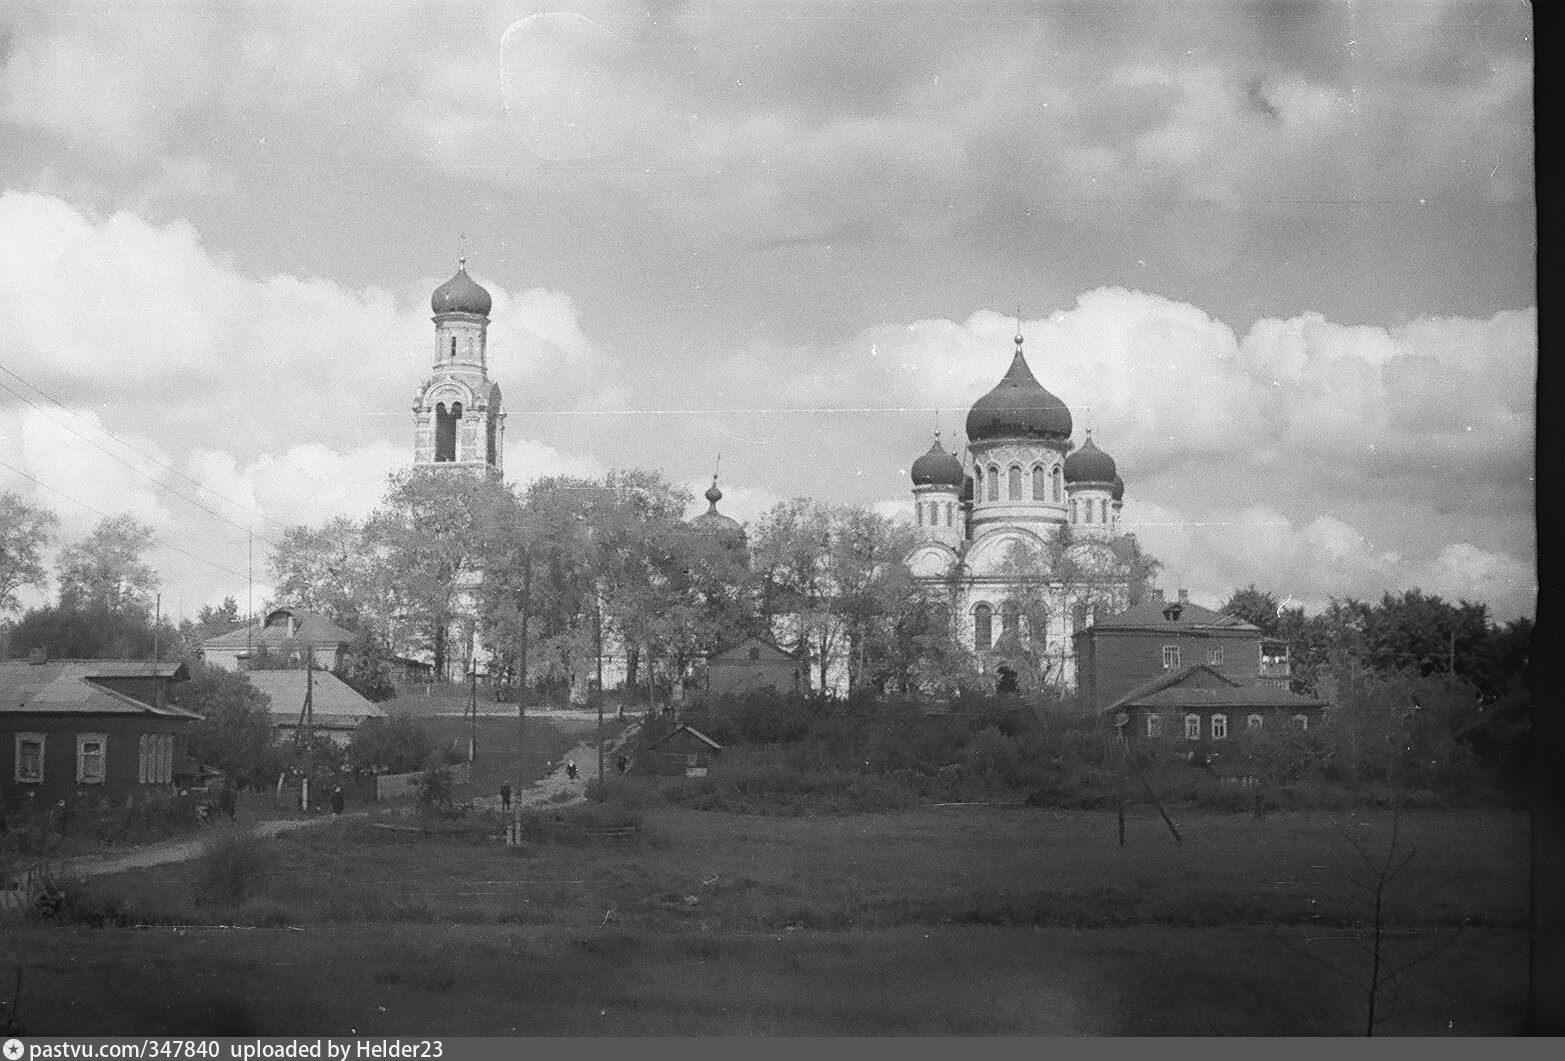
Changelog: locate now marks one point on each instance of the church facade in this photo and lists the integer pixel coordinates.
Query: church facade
(1015, 531)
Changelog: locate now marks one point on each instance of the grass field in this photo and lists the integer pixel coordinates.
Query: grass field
(957, 920)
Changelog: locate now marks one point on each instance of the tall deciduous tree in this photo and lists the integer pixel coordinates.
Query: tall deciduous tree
(334, 570)
(105, 571)
(235, 734)
(24, 531)
(1256, 607)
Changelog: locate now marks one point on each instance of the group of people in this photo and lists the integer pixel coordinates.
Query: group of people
(571, 772)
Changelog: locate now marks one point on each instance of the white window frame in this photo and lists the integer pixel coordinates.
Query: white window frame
(30, 738)
(1214, 656)
(102, 741)
(1254, 722)
(1219, 727)
(1303, 721)
(1192, 727)
(1154, 724)
(1170, 657)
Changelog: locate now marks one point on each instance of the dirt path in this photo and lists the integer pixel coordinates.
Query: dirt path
(556, 789)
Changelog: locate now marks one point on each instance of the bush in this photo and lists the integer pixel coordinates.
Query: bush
(783, 790)
(434, 787)
(229, 869)
(90, 904)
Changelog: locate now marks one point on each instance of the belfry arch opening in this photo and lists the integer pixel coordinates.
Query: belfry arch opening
(445, 430)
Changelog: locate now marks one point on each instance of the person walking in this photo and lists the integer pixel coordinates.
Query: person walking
(570, 769)
(505, 796)
(337, 801)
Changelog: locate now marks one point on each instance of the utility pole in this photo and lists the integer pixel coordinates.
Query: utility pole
(157, 623)
(602, 792)
(472, 711)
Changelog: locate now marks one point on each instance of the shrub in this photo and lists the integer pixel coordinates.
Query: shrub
(434, 787)
(91, 904)
(230, 868)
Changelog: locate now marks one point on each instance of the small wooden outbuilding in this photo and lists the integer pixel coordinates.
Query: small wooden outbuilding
(684, 752)
(753, 665)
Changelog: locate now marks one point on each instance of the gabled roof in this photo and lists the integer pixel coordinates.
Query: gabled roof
(764, 642)
(697, 734)
(1200, 686)
(71, 687)
(1150, 615)
(311, 630)
(333, 701)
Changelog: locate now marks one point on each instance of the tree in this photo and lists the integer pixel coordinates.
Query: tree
(1142, 566)
(394, 745)
(66, 633)
(235, 734)
(334, 570)
(790, 558)
(365, 669)
(105, 572)
(431, 534)
(1254, 606)
(24, 531)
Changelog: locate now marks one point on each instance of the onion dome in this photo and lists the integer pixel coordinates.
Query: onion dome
(1119, 489)
(1018, 407)
(937, 467)
(460, 294)
(1089, 464)
(713, 522)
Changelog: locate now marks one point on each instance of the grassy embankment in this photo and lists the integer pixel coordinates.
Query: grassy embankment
(962, 920)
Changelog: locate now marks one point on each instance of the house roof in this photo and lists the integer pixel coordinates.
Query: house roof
(1200, 686)
(697, 734)
(1157, 614)
(765, 642)
(311, 629)
(333, 703)
(71, 687)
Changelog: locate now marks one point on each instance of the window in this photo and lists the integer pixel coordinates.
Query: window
(1154, 725)
(29, 758)
(978, 478)
(1302, 720)
(1056, 477)
(949, 508)
(1013, 486)
(453, 348)
(1170, 657)
(1192, 727)
(1254, 722)
(1103, 511)
(1073, 510)
(156, 759)
(1219, 727)
(994, 482)
(1214, 656)
(1010, 617)
(918, 511)
(91, 752)
(983, 627)
(445, 430)
(1038, 488)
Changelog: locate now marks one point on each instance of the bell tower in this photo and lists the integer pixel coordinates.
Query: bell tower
(457, 416)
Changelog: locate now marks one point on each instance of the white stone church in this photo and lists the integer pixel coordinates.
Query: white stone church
(991, 520)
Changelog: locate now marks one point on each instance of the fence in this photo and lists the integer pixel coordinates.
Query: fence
(404, 786)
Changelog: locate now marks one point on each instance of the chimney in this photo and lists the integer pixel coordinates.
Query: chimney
(1184, 596)
(38, 657)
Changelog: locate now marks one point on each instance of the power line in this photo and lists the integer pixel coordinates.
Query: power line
(145, 456)
(105, 515)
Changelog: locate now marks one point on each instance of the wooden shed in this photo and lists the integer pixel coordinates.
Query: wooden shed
(684, 752)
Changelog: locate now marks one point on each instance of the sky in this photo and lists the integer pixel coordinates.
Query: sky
(1278, 255)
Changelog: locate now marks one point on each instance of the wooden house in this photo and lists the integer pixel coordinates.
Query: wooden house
(684, 752)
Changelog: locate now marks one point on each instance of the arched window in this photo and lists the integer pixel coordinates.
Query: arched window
(1104, 511)
(445, 430)
(1254, 722)
(1056, 476)
(1073, 510)
(978, 480)
(918, 511)
(994, 482)
(1039, 491)
(949, 508)
(1010, 617)
(1014, 485)
(453, 348)
(1088, 507)
(491, 442)
(983, 627)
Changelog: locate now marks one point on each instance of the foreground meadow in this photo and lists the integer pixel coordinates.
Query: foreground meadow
(955, 920)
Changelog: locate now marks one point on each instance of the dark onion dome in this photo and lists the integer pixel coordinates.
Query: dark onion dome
(1119, 489)
(460, 294)
(937, 467)
(1089, 464)
(1018, 407)
(715, 523)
